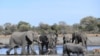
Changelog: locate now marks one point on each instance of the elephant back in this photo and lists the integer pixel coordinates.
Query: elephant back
(16, 34)
(17, 38)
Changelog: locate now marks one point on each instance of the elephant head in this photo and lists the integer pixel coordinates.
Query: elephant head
(32, 36)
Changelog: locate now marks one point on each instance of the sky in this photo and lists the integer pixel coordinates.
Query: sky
(47, 11)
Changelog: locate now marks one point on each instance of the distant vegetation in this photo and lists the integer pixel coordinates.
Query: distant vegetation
(87, 24)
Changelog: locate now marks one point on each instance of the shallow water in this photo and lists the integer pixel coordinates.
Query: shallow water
(93, 47)
(59, 49)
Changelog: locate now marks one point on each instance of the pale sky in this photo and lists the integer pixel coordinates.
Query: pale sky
(47, 11)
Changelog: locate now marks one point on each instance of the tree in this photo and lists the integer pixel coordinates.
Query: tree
(44, 27)
(1, 29)
(63, 27)
(55, 28)
(98, 24)
(7, 29)
(76, 27)
(7, 26)
(33, 28)
(13, 28)
(23, 26)
(88, 23)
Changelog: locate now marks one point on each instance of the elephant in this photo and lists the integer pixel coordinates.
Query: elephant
(44, 43)
(23, 39)
(56, 37)
(52, 43)
(69, 48)
(79, 37)
(49, 40)
(66, 39)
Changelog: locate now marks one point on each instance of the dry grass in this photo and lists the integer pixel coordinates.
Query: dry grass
(3, 36)
(4, 39)
(70, 35)
(88, 35)
(93, 35)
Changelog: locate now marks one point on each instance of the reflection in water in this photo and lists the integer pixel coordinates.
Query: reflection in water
(59, 49)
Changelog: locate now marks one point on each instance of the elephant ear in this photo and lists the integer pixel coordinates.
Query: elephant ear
(29, 35)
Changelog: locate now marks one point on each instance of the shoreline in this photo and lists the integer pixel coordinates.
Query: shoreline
(7, 46)
(92, 41)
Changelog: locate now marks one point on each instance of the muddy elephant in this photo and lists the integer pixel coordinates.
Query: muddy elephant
(23, 39)
(79, 37)
(49, 41)
(69, 48)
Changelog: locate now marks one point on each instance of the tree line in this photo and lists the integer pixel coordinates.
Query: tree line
(87, 24)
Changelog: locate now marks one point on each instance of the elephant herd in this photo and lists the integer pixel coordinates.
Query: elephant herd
(47, 43)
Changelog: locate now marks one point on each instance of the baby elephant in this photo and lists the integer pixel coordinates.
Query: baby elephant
(73, 48)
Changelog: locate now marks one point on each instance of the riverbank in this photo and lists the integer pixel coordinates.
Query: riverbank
(93, 39)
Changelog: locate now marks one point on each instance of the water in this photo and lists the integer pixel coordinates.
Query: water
(59, 49)
(93, 47)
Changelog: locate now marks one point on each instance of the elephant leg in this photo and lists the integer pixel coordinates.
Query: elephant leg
(8, 52)
(64, 50)
(73, 39)
(15, 50)
(28, 49)
(23, 51)
(40, 49)
(86, 44)
(46, 46)
(32, 50)
(68, 53)
(83, 54)
(77, 54)
(54, 51)
(83, 43)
